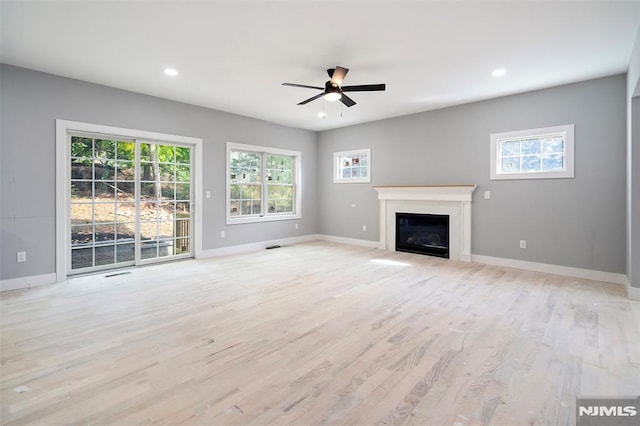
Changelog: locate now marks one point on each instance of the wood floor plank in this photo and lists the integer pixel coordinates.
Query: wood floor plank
(315, 333)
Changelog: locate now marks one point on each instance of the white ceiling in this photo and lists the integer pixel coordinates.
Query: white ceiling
(233, 56)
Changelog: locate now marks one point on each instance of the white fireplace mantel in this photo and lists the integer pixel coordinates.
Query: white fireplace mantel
(451, 200)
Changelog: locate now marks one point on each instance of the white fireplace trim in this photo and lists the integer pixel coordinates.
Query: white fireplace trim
(451, 200)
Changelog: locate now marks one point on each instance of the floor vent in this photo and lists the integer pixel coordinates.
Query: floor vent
(117, 273)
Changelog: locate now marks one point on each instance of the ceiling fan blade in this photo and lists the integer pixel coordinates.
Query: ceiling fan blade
(302, 85)
(364, 88)
(347, 100)
(311, 99)
(338, 75)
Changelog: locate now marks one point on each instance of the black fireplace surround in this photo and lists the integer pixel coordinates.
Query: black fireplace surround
(423, 234)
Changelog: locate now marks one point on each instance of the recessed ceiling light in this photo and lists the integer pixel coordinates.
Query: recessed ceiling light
(171, 72)
(499, 72)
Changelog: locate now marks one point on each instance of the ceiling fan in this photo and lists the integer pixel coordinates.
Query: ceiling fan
(334, 90)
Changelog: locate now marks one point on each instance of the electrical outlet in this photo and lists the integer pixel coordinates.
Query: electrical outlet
(297, 226)
(207, 194)
(364, 228)
(21, 256)
(223, 234)
(523, 244)
(487, 195)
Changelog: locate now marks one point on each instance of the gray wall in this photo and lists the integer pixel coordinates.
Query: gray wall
(31, 102)
(576, 222)
(633, 265)
(633, 166)
(562, 220)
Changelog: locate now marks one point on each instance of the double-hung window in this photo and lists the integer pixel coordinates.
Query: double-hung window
(263, 183)
(533, 154)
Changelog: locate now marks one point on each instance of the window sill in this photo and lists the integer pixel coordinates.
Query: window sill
(536, 175)
(258, 219)
(354, 180)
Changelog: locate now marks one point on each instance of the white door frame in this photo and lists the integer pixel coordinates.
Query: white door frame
(63, 173)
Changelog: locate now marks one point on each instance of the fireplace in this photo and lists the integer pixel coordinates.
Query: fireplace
(423, 233)
(450, 200)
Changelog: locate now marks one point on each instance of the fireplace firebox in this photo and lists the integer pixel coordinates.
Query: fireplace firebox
(423, 234)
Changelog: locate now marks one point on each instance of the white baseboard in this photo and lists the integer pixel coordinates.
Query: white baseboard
(27, 282)
(632, 292)
(351, 241)
(567, 271)
(261, 245)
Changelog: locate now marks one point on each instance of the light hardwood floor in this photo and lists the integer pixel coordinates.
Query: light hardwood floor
(316, 333)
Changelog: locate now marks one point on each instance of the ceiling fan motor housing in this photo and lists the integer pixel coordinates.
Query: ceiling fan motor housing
(330, 87)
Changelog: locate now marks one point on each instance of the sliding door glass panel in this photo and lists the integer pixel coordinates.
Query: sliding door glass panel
(102, 175)
(165, 199)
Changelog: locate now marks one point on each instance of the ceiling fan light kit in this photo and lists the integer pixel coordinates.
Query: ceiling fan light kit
(334, 90)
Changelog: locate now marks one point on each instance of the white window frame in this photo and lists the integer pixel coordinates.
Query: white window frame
(337, 166)
(567, 131)
(297, 184)
(63, 176)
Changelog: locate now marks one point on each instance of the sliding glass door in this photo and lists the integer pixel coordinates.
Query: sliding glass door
(130, 202)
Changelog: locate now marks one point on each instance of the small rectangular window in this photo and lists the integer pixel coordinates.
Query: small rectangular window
(533, 154)
(352, 166)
